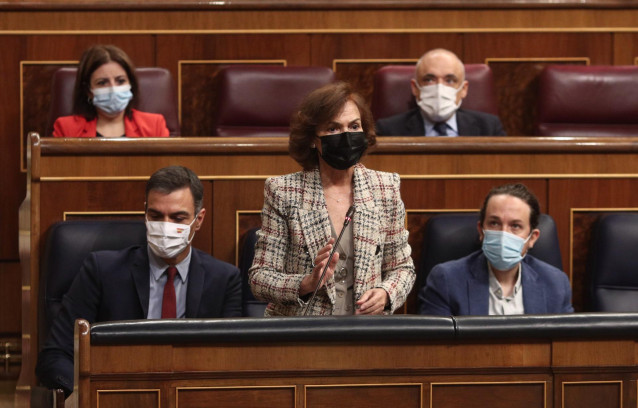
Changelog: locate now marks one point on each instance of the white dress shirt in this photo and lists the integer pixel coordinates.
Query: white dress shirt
(510, 305)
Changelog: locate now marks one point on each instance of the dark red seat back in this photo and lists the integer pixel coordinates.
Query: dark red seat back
(258, 100)
(576, 100)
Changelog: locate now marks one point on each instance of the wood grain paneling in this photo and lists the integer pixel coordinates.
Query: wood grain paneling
(12, 185)
(575, 353)
(128, 399)
(346, 396)
(265, 397)
(595, 46)
(229, 198)
(290, 16)
(592, 395)
(497, 395)
(172, 48)
(10, 297)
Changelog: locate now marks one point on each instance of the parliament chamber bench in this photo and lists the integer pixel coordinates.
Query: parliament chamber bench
(576, 180)
(575, 360)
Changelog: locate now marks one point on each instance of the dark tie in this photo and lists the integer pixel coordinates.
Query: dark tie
(441, 128)
(168, 301)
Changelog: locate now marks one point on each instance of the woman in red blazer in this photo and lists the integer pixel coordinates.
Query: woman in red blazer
(103, 97)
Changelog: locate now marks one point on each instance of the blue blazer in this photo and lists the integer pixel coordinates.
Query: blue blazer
(461, 287)
(114, 285)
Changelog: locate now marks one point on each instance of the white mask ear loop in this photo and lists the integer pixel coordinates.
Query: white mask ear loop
(190, 226)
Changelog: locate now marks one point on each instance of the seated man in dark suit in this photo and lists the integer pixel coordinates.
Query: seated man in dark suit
(130, 283)
(500, 279)
(439, 87)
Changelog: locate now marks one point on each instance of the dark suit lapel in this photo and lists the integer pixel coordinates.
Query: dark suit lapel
(195, 285)
(365, 228)
(533, 293)
(478, 287)
(466, 124)
(414, 125)
(140, 271)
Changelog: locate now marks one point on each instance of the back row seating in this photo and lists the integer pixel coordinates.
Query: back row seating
(256, 100)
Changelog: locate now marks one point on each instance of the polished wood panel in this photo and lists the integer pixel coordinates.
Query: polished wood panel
(219, 17)
(399, 396)
(266, 397)
(497, 395)
(12, 184)
(302, 4)
(10, 293)
(617, 353)
(592, 394)
(128, 399)
(231, 198)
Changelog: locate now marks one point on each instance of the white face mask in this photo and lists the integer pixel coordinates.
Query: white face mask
(438, 101)
(167, 239)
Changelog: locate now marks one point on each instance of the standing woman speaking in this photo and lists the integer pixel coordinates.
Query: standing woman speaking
(371, 271)
(104, 95)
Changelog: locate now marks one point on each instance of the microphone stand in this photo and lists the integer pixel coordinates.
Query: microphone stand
(349, 215)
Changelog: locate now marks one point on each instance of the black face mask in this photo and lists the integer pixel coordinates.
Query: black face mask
(343, 150)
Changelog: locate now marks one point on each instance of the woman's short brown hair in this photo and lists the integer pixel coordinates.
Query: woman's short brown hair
(318, 108)
(92, 59)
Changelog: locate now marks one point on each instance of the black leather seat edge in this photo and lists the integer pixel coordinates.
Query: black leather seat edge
(354, 328)
(577, 325)
(284, 329)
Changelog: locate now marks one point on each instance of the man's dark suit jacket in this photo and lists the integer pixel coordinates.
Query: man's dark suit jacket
(469, 123)
(114, 285)
(461, 288)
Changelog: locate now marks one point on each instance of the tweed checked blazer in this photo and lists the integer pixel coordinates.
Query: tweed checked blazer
(296, 225)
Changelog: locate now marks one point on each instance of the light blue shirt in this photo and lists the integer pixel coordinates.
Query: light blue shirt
(158, 278)
(452, 128)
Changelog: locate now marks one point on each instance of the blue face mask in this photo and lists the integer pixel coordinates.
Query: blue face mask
(502, 249)
(112, 100)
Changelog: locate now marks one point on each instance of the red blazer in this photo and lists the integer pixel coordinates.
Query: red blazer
(142, 124)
